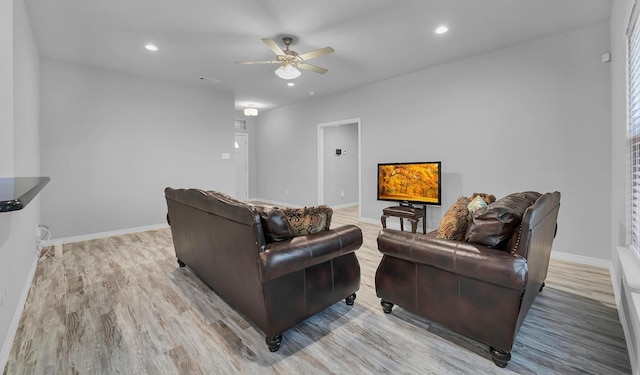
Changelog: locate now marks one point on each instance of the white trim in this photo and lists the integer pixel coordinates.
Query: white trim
(632, 14)
(628, 331)
(246, 135)
(630, 268)
(321, 127)
(15, 322)
(95, 236)
(624, 277)
(345, 205)
(320, 152)
(596, 262)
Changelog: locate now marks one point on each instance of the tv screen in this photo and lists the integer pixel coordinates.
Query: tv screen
(409, 183)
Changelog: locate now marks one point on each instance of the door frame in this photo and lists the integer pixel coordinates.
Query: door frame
(246, 135)
(321, 170)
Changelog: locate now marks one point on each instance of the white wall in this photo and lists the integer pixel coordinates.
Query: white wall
(26, 96)
(112, 142)
(6, 87)
(19, 144)
(535, 116)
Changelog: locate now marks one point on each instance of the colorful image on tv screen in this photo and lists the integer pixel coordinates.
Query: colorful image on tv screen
(417, 182)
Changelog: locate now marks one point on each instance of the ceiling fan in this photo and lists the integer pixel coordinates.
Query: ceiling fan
(290, 61)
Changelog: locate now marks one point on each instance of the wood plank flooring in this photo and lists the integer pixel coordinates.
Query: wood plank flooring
(121, 305)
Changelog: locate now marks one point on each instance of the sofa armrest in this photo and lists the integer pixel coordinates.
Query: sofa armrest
(462, 258)
(281, 258)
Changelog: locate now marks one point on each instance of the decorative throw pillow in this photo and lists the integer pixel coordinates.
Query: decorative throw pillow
(454, 222)
(275, 224)
(487, 198)
(493, 225)
(308, 220)
(475, 204)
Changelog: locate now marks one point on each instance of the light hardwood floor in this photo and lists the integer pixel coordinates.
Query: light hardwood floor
(121, 305)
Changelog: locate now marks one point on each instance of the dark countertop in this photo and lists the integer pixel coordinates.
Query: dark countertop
(17, 192)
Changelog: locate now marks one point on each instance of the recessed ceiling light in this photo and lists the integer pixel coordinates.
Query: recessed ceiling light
(442, 29)
(151, 47)
(290, 84)
(312, 92)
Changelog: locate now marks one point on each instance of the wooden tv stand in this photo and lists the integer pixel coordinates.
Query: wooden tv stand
(414, 214)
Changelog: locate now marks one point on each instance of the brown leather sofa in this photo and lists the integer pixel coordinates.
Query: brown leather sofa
(482, 291)
(239, 250)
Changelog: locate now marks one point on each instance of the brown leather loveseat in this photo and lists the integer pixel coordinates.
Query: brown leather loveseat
(247, 255)
(481, 286)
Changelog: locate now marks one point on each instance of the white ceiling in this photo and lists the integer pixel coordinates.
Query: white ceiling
(373, 39)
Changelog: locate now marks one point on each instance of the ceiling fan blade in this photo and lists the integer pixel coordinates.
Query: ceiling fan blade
(273, 46)
(258, 62)
(316, 53)
(312, 68)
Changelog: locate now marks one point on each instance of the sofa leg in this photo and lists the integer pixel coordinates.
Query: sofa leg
(500, 358)
(274, 342)
(181, 263)
(541, 286)
(386, 306)
(349, 300)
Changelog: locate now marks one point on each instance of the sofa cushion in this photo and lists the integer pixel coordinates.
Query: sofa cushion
(493, 225)
(275, 224)
(308, 220)
(454, 221)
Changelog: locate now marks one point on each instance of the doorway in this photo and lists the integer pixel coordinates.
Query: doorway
(339, 169)
(242, 166)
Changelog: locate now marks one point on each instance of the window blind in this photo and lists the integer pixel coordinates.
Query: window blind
(633, 106)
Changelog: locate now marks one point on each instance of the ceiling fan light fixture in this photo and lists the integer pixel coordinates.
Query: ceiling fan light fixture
(250, 112)
(441, 29)
(287, 71)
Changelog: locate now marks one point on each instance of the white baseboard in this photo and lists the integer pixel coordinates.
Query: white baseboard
(345, 205)
(15, 322)
(596, 262)
(95, 236)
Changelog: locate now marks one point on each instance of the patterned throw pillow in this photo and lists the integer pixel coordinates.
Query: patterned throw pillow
(487, 198)
(475, 204)
(308, 220)
(454, 222)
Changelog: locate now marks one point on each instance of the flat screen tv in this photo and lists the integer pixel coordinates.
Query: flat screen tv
(410, 183)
